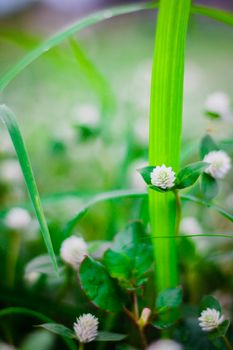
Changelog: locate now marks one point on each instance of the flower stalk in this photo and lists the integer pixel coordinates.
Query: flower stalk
(165, 130)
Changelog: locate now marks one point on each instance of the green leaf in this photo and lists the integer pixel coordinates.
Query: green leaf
(118, 265)
(169, 298)
(209, 186)
(98, 286)
(108, 336)
(145, 173)
(189, 175)
(212, 115)
(136, 245)
(220, 331)
(23, 311)
(58, 329)
(209, 302)
(165, 324)
(207, 145)
(8, 118)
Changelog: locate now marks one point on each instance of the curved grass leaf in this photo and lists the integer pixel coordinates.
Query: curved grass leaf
(58, 329)
(8, 118)
(189, 175)
(23, 311)
(97, 17)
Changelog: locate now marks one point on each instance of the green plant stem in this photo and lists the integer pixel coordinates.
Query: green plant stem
(165, 129)
(14, 247)
(227, 343)
(81, 346)
(178, 211)
(135, 306)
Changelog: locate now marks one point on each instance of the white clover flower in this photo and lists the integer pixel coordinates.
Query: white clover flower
(163, 177)
(86, 328)
(10, 171)
(17, 219)
(210, 319)
(73, 250)
(87, 115)
(220, 164)
(165, 344)
(218, 103)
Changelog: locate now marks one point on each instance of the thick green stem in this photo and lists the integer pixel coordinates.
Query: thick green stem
(165, 129)
(227, 343)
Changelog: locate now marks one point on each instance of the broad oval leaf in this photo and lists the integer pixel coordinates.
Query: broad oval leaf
(98, 285)
(108, 336)
(189, 175)
(207, 145)
(58, 329)
(118, 265)
(209, 186)
(209, 301)
(169, 298)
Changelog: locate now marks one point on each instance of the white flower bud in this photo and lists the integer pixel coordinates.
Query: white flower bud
(210, 319)
(165, 344)
(73, 250)
(144, 318)
(220, 164)
(163, 177)
(17, 219)
(218, 103)
(86, 328)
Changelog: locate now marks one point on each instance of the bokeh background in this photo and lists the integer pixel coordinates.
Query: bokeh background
(85, 121)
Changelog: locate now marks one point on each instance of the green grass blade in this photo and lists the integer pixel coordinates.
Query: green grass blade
(92, 19)
(209, 205)
(24, 311)
(218, 15)
(8, 118)
(64, 34)
(105, 196)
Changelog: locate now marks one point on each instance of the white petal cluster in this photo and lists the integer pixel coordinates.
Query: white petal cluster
(17, 219)
(86, 328)
(165, 344)
(220, 164)
(218, 103)
(210, 319)
(87, 115)
(73, 250)
(163, 177)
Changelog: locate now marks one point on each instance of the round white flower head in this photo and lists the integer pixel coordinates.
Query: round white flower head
(220, 164)
(17, 219)
(163, 177)
(210, 319)
(86, 328)
(165, 344)
(73, 250)
(218, 102)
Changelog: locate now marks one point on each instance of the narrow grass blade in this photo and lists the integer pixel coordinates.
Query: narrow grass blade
(218, 15)
(23, 311)
(8, 118)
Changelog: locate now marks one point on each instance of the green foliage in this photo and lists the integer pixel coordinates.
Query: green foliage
(134, 243)
(169, 298)
(58, 329)
(98, 286)
(7, 116)
(189, 175)
(209, 186)
(207, 145)
(209, 301)
(108, 336)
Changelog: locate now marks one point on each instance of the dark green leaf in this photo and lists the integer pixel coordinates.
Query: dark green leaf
(220, 331)
(108, 336)
(213, 115)
(189, 175)
(209, 186)
(209, 302)
(163, 324)
(145, 173)
(118, 265)
(207, 145)
(98, 285)
(170, 298)
(136, 245)
(58, 329)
